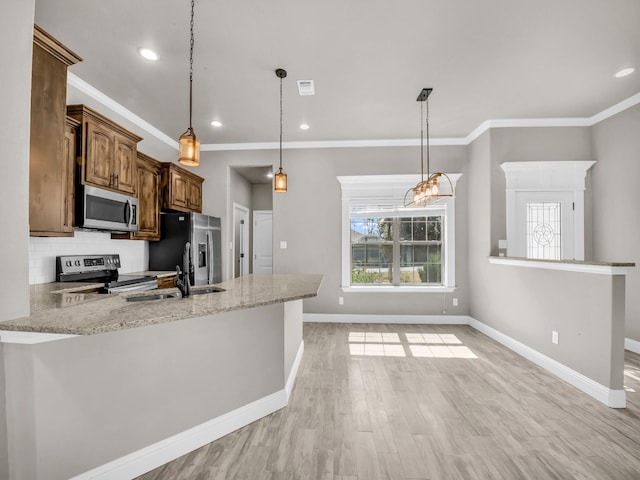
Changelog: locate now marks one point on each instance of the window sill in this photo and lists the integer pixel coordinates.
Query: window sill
(392, 289)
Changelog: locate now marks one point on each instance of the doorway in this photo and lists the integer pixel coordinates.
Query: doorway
(240, 250)
(262, 241)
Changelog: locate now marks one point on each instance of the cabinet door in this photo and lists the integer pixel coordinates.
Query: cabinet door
(99, 162)
(195, 195)
(179, 192)
(148, 201)
(124, 165)
(67, 179)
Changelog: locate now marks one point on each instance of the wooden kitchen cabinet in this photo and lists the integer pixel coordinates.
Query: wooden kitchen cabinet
(181, 189)
(52, 140)
(106, 152)
(148, 188)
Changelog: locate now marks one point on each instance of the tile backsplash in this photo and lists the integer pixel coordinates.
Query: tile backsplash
(134, 254)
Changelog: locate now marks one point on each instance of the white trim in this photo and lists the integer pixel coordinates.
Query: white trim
(610, 397)
(392, 289)
(159, 453)
(615, 109)
(564, 266)
(632, 345)
(79, 84)
(30, 338)
(390, 319)
(291, 380)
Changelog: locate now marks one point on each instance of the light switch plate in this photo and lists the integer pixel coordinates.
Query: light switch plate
(283, 244)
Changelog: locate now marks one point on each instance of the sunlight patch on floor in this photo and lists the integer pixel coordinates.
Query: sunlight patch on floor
(419, 345)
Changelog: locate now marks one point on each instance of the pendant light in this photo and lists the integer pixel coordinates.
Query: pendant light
(280, 178)
(189, 144)
(428, 191)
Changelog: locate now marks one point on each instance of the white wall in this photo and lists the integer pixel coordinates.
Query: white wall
(16, 25)
(616, 201)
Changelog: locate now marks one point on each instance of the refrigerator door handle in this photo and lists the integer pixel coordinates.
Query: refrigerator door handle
(209, 258)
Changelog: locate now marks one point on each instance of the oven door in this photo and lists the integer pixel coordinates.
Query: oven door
(106, 210)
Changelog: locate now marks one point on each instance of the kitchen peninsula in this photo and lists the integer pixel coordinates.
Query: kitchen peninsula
(123, 386)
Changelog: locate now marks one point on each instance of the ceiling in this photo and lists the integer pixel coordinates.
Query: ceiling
(369, 59)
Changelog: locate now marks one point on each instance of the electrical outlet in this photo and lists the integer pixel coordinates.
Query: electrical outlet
(554, 337)
(340, 300)
(455, 302)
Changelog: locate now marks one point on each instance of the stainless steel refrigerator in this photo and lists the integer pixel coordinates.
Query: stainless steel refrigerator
(202, 232)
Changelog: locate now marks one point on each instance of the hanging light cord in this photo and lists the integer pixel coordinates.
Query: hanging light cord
(427, 122)
(422, 142)
(281, 123)
(191, 69)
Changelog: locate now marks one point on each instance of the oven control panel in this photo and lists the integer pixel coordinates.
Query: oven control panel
(75, 264)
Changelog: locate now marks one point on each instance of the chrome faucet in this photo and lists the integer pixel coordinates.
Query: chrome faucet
(182, 281)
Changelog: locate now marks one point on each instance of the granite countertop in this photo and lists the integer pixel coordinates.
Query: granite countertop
(66, 308)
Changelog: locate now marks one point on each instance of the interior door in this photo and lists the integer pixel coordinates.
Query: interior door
(262, 241)
(544, 225)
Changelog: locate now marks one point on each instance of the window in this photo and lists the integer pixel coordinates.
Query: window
(399, 250)
(387, 247)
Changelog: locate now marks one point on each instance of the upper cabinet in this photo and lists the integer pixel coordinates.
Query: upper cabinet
(181, 189)
(52, 141)
(148, 198)
(106, 152)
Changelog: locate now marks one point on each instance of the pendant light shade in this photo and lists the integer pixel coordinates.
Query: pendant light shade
(189, 154)
(280, 178)
(437, 185)
(280, 181)
(189, 149)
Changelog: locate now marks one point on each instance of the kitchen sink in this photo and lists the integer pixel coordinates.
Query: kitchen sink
(153, 296)
(202, 291)
(160, 296)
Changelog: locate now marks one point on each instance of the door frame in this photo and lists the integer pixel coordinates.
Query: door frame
(240, 212)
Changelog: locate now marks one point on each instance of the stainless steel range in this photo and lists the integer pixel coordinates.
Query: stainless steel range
(101, 269)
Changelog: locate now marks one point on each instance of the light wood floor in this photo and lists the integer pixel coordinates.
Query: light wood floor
(425, 415)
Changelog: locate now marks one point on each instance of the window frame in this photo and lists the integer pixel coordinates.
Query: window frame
(384, 194)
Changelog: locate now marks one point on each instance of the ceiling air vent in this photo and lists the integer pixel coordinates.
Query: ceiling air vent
(305, 87)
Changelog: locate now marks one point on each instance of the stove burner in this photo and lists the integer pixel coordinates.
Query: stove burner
(101, 269)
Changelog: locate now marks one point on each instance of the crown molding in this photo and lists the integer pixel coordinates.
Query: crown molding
(81, 85)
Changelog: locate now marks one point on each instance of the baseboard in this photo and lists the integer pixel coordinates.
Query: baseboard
(153, 456)
(608, 396)
(391, 319)
(291, 380)
(632, 345)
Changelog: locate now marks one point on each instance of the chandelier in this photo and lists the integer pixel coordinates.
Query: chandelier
(429, 191)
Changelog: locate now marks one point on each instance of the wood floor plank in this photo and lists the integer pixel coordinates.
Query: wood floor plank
(357, 417)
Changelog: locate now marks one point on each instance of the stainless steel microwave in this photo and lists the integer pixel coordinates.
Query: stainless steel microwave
(105, 210)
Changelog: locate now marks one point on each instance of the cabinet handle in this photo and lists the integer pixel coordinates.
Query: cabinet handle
(111, 182)
(117, 181)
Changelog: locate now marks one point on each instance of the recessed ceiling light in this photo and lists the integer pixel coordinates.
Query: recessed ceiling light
(624, 72)
(270, 175)
(216, 123)
(148, 54)
(304, 126)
